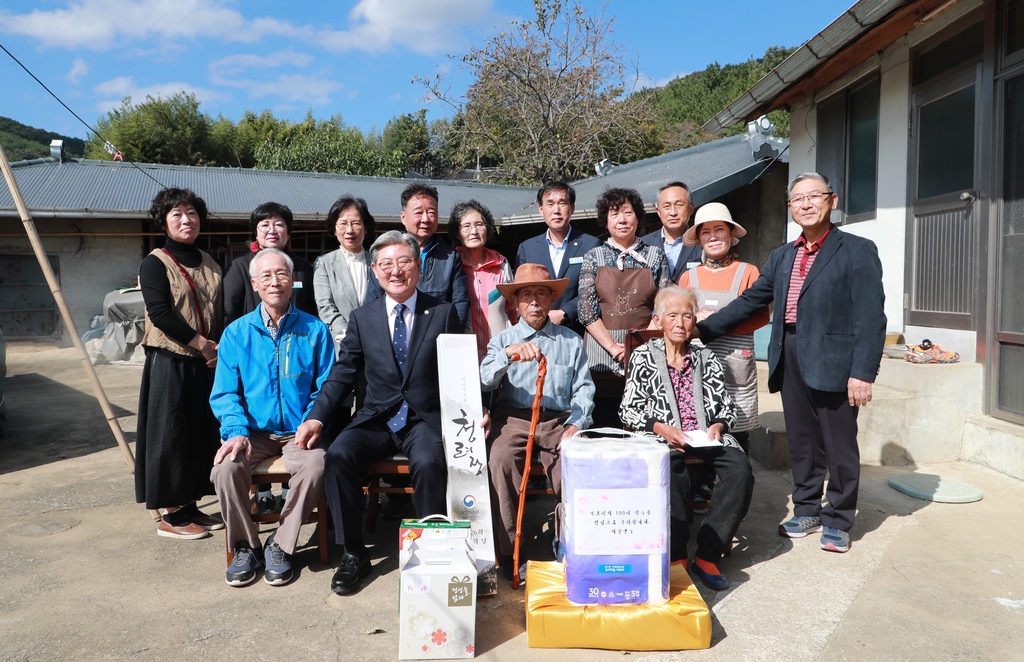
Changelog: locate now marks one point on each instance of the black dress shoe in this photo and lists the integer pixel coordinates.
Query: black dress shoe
(351, 571)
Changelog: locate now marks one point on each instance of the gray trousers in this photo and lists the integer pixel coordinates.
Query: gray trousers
(232, 481)
(505, 461)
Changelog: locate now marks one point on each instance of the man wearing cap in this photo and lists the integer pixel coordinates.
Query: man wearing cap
(560, 249)
(567, 403)
(674, 209)
(825, 349)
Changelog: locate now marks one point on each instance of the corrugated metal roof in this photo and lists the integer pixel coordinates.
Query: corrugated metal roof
(854, 22)
(710, 170)
(115, 189)
(79, 187)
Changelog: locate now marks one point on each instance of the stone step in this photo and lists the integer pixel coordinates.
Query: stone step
(890, 427)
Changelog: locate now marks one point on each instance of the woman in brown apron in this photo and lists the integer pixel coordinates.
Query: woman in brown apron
(178, 435)
(716, 282)
(618, 282)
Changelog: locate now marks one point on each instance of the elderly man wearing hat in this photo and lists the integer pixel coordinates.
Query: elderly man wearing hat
(719, 279)
(567, 404)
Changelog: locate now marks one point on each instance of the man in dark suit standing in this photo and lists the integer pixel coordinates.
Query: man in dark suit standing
(394, 339)
(826, 345)
(560, 249)
(675, 210)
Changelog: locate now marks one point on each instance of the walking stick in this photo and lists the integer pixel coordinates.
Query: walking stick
(542, 371)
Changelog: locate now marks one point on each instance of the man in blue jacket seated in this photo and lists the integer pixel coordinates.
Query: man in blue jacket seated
(270, 366)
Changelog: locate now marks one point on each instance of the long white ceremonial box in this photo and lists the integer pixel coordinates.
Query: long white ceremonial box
(469, 494)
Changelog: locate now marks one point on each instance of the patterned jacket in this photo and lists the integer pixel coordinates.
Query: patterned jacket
(649, 398)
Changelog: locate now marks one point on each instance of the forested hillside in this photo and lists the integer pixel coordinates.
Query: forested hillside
(686, 103)
(23, 142)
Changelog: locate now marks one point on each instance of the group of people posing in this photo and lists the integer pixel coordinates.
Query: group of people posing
(334, 365)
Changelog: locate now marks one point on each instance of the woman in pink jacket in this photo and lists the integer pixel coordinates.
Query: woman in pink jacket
(470, 226)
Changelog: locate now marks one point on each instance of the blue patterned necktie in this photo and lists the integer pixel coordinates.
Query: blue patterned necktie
(401, 344)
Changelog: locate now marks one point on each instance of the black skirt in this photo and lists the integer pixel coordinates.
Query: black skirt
(177, 435)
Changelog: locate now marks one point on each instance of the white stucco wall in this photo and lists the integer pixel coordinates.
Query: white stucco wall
(88, 269)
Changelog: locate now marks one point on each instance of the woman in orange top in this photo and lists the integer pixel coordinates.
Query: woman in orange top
(717, 281)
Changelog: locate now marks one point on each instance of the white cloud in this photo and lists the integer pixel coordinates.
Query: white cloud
(225, 71)
(313, 89)
(78, 69)
(424, 26)
(115, 89)
(104, 24)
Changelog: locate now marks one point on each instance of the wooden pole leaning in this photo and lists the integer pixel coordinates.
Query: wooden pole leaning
(65, 313)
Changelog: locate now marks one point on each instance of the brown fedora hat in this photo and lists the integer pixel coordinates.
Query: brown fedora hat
(533, 274)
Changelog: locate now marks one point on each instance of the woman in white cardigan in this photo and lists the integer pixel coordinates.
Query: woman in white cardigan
(342, 280)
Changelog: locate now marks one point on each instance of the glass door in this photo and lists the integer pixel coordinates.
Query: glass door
(1008, 362)
(943, 232)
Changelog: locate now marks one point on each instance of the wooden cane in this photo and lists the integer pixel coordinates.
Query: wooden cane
(542, 371)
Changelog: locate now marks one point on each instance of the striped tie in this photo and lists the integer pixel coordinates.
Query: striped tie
(401, 346)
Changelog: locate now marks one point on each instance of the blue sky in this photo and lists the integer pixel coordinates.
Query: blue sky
(354, 57)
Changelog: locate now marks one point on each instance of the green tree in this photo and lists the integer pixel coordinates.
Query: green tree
(548, 97)
(328, 146)
(410, 134)
(158, 130)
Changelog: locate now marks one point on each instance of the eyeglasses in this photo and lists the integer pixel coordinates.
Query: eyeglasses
(403, 263)
(475, 226)
(355, 225)
(264, 228)
(814, 197)
(279, 276)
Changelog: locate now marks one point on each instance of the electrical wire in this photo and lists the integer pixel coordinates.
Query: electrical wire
(66, 107)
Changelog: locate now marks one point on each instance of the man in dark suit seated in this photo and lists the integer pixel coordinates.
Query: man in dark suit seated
(675, 208)
(560, 249)
(826, 345)
(394, 339)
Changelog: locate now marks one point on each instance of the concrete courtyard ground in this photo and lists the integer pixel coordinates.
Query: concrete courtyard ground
(83, 575)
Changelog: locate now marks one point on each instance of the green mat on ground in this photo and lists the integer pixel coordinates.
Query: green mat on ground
(931, 487)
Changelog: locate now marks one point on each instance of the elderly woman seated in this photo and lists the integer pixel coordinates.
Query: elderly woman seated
(673, 389)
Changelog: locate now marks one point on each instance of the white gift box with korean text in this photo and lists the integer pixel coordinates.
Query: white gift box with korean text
(437, 604)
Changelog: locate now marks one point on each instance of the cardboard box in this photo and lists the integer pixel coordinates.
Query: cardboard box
(437, 605)
(433, 531)
(682, 623)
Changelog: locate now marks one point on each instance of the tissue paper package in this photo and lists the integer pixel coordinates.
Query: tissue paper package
(616, 533)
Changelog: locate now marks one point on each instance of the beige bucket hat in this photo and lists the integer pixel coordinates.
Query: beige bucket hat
(713, 211)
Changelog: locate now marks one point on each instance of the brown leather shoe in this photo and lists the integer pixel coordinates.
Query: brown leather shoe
(208, 522)
(191, 531)
(196, 516)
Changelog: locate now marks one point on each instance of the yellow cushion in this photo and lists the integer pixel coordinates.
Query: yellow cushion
(684, 622)
(271, 465)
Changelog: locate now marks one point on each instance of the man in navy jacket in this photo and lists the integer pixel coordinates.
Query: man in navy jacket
(441, 273)
(394, 339)
(828, 332)
(674, 209)
(560, 249)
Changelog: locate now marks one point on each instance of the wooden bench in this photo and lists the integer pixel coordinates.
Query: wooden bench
(398, 465)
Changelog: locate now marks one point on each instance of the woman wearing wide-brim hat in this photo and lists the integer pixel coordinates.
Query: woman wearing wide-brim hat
(720, 278)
